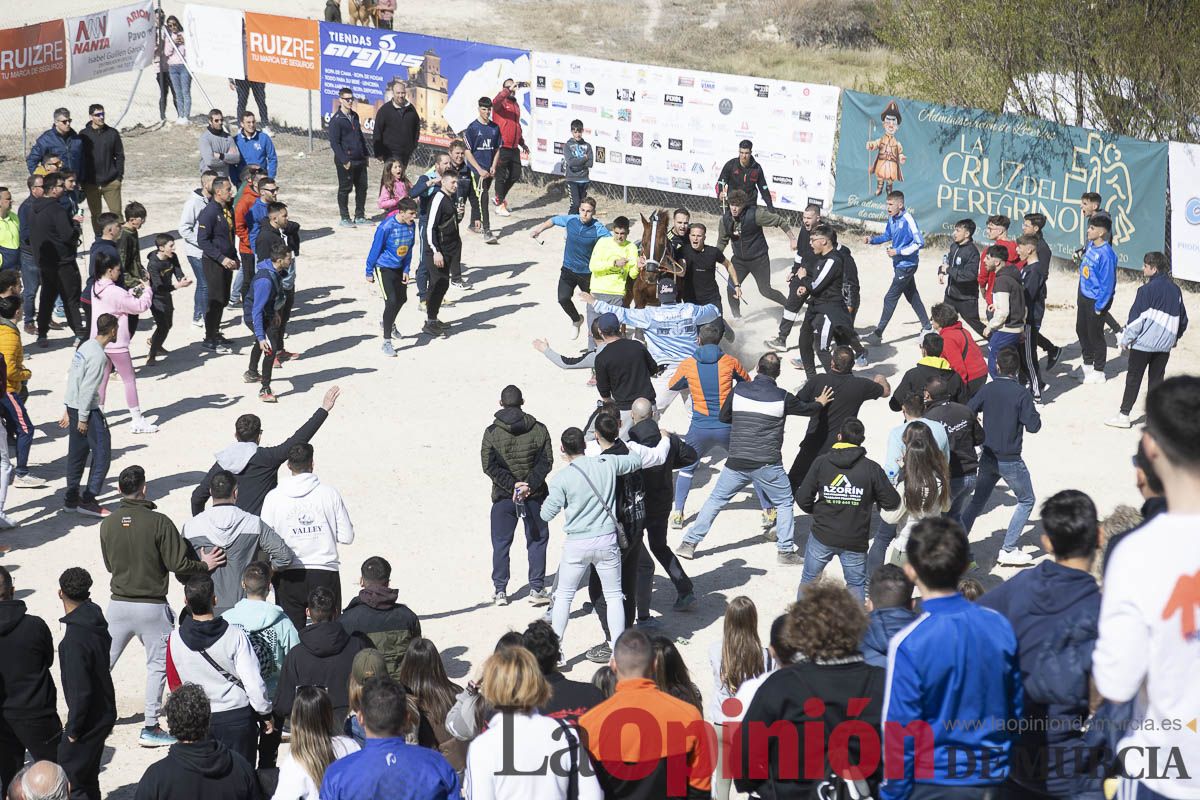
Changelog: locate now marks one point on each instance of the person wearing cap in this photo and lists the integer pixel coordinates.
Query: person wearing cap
(482, 138)
(671, 331)
(625, 369)
(517, 456)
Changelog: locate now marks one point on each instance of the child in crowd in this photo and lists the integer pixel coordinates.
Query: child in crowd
(166, 275)
(12, 406)
(393, 185)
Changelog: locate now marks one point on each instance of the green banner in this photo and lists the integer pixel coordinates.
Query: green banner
(956, 163)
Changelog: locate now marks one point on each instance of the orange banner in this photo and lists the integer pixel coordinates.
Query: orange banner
(282, 50)
(34, 59)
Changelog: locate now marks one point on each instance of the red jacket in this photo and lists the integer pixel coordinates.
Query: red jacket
(964, 355)
(988, 279)
(240, 224)
(506, 113)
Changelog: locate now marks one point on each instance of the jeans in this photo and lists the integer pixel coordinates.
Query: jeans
(854, 565)
(885, 534)
(98, 443)
(181, 83)
(200, 303)
(770, 479)
(961, 490)
(537, 535)
(1139, 360)
(704, 441)
(354, 176)
(903, 284)
(999, 340)
(31, 280)
(578, 191)
(1016, 475)
(152, 624)
(579, 554)
(164, 86)
(19, 428)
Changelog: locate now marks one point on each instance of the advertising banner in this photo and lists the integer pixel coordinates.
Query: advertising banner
(282, 50)
(33, 59)
(953, 163)
(445, 77)
(214, 41)
(112, 41)
(1185, 210)
(674, 129)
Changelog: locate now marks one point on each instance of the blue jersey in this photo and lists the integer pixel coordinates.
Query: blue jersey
(1098, 274)
(483, 141)
(392, 246)
(581, 240)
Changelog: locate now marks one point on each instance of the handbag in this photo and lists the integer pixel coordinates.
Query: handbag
(622, 534)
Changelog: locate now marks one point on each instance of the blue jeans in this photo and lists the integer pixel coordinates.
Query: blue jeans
(903, 284)
(704, 441)
(771, 480)
(31, 280)
(1016, 475)
(997, 342)
(181, 84)
(961, 490)
(854, 565)
(885, 534)
(200, 301)
(98, 444)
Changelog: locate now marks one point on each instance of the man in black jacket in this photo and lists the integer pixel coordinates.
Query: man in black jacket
(742, 223)
(104, 166)
(323, 658)
(840, 491)
(391, 626)
(929, 365)
(569, 700)
(215, 234)
(257, 467)
(624, 368)
(86, 684)
(744, 174)
(801, 266)
(827, 312)
(517, 456)
(959, 271)
(397, 126)
(28, 717)
(54, 242)
(349, 158)
(443, 249)
(965, 434)
(1034, 276)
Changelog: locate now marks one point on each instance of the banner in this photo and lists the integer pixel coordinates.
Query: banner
(674, 129)
(282, 50)
(953, 163)
(108, 42)
(32, 59)
(213, 39)
(1185, 210)
(445, 77)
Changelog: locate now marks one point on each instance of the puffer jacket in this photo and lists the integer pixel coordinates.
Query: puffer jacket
(390, 626)
(14, 355)
(109, 298)
(516, 448)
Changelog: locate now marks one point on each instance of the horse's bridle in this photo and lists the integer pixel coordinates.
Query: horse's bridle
(653, 263)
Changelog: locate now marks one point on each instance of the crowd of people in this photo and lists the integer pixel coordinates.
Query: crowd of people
(905, 679)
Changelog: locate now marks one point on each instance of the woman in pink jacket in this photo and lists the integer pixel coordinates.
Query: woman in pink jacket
(109, 297)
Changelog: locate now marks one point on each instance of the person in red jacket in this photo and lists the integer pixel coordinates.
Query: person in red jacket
(997, 233)
(959, 347)
(241, 227)
(506, 112)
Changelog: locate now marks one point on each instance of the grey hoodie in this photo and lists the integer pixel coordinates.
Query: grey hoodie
(217, 151)
(240, 534)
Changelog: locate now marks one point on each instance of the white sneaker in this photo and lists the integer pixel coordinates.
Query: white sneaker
(1119, 421)
(577, 326)
(1085, 370)
(198, 323)
(28, 481)
(142, 426)
(1096, 376)
(1014, 558)
(181, 121)
(502, 209)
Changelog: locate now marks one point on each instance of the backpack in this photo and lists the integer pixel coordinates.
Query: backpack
(265, 643)
(631, 501)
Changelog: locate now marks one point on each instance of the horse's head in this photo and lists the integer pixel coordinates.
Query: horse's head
(654, 238)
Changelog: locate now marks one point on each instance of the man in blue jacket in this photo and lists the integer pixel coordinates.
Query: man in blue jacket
(906, 242)
(1054, 610)
(62, 140)
(261, 309)
(890, 605)
(388, 264)
(953, 682)
(256, 149)
(350, 158)
(1097, 287)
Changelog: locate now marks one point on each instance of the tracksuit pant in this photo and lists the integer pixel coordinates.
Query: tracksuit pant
(152, 624)
(1089, 327)
(537, 536)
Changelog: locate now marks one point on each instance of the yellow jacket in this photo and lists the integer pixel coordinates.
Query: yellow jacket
(607, 278)
(14, 355)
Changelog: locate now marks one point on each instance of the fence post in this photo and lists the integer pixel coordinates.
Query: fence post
(310, 129)
(625, 193)
(24, 124)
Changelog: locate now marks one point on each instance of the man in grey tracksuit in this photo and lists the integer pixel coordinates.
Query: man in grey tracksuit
(239, 533)
(577, 163)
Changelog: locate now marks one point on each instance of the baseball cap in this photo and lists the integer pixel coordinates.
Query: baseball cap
(667, 292)
(608, 323)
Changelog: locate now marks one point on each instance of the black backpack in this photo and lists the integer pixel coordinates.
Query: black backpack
(631, 501)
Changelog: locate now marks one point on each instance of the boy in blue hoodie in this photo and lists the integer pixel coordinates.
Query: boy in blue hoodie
(890, 605)
(1097, 287)
(388, 264)
(261, 310)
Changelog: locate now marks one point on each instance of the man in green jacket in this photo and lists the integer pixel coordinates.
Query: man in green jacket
(517, 456)
(141, 547)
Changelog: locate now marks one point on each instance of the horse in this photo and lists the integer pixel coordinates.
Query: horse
(658, 262)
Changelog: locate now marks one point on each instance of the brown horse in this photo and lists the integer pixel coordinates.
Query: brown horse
(657, 262)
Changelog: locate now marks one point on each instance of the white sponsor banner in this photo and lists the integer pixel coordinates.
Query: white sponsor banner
(1184, 168)
(674, 129)
(213, 39)
(108, 42)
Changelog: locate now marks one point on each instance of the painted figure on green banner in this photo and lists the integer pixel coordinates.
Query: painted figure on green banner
(889, 153)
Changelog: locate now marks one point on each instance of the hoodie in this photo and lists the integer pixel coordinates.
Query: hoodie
(86, 682)
(28, 686)
(962, 353)
(206, 770)
(229, 647)
(52, 236)
(188, 221)
(311, 518)
(240, 534)
(1157, 318)
(516, 448)
(839, 491)
(112, 298)
(272, 635)
(256, 467)
(884, 623)
(1055, 612)
(218, 151)
(914, 381)
(324, 657)
(390, 626)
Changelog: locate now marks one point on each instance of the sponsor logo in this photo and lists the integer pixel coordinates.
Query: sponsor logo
(624, 115)
(656, 143)
(659, 180)
(673, 100)
(360, 51)
(634, 160)
(290, 50)
(606, 112)
(697, 168)
(708, 86)
(558, 148)
(32, 60)
(589, 88)
(636, 138)
(681, 183)
(541, 122)
(573, 87)
(803, 116)
(699, 101)
(557, 85)
(541, 81)
(648, 119)
(674, 144)
(541, 102)
(802, 136)
(601, 155)
(616, 156)
(725, 106)
(782, 180)
(676, 166)
(762, 90)
(583, 108)
(541, 145)
(627, 95)
(687, 82)
(1191, 211)
(557, 104)
(91, 34)
(841, 492)
(574, 66)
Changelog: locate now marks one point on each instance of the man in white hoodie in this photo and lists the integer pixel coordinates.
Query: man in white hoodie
(239, 533)
(209, 652)
(312, 520)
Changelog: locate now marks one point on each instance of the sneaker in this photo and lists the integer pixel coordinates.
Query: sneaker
(490, 238)
(216, 347)
(1083, 373)
(142, 426)
(769, 516)
(647, 622)
(31, 481)
(361, 221)
(775, 344)
(43, 342)
(796, 363)
(685, 602)
(790, 559)
(396, 333)
(421, 305)
(876, 337)
(461, 283)
(925, 332)
(155, 737)
(1014, 558)
(430, 328)
(1096, 376)
(686, 550)
(677, 520)
(540, 597)
(178, 121)
(59, 313)
(499, 599)
(90, 508)
(7, 522)
(249, 376)
(267, 396)
(861, 361)
(448, 301)
(577, 325)
(502, 210)
(31, 329)
(198, 323)
(1052, 356)
(388, 349)
(234, 302)
(346, 223)
(1119, 421)
(600, 654)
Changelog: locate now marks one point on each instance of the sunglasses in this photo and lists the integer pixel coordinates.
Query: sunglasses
(66, 121)
(346, 99)
(98, 114)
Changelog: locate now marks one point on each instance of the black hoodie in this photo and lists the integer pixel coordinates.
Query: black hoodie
(390, 626)
(323, 658)
(206, 770)
(28, 687)
(659, 483)
(52, 236)
(86, 682)
(964, 431)
(839, 491)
